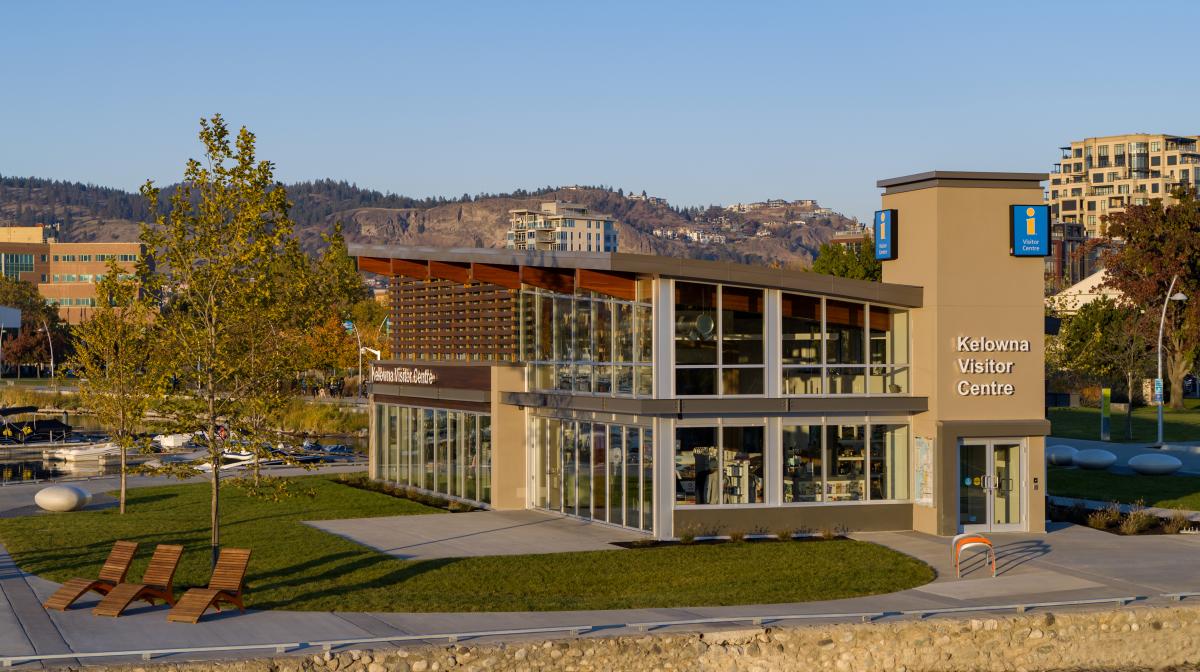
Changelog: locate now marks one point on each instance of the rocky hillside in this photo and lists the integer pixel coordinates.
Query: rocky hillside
(771, 233)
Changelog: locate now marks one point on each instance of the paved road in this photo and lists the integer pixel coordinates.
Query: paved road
(1068, 563)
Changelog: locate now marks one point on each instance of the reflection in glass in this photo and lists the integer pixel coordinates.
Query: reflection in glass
(697, 479)
(801, 380)
(741, 327)
(845, 324)
(616, 475)
(648, 479)
(570, 468)
(845, 445)
(633, 477)
(801, 317)
(695, 324)
(583, 455)
(803, 479)
(889, 462)
(599, 471)
(742, 465)
(485, 459)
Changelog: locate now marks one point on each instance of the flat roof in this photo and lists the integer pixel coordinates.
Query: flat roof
(651, 265)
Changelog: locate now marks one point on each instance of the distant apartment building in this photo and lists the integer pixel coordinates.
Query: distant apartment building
(852, 234)
(1100, 176)
(65, 274)
(561, 226)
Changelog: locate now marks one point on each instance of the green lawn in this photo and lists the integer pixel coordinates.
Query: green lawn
(297, 567)
(1084, 423)
(1168, 492)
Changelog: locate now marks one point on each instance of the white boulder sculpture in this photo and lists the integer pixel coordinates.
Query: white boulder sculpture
(1061, 455)
(1155, 464)
(62, 498)
(1094, 458)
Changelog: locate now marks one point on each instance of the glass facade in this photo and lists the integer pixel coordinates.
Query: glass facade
(594, 470)
(586, 343)
(445, 451)
(832, 347)
(824, 461)
(719, 347)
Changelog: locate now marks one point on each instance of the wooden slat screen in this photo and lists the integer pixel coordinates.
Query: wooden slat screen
(443, 320)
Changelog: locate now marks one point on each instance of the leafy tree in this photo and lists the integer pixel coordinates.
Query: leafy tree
(341, 284)
(31, 346)
(856, 261)
(1151, 244)
(119, 376)
(217, 250)
(1104, 343)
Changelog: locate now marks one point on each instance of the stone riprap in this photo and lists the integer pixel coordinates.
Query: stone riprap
(1132, 638)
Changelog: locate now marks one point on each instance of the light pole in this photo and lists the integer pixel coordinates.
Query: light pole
(50, 342)
(1158, 382)
(350, 326)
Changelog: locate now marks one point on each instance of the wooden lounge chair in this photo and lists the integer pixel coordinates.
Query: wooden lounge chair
(113, 572)
(158, 583)
(227, 585)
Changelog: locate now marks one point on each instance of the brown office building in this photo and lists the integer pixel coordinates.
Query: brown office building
(680, 396)
(64, 273)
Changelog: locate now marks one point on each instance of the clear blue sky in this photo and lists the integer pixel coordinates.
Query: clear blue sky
(698, 102)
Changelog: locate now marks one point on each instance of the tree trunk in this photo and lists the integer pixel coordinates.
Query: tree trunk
(123, 463)
(214, 451)
(1177, 367)
(1129, 406)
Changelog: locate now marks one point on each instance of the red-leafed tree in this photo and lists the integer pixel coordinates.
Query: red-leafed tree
(1154, 243)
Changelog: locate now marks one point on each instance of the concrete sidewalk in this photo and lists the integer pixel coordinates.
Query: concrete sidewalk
(1188, 454)
(478, 533)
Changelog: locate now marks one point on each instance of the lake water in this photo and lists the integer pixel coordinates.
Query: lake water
(18, 463)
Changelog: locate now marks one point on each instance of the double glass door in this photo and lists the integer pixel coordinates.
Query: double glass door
(990, 496)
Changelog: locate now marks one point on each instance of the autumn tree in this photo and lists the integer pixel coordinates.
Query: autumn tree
(216, 249)
(1151, 245)
(114, 360)
(856, 261)
(30, 345)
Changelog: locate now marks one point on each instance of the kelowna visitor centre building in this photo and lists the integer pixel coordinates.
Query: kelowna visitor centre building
(679, 396)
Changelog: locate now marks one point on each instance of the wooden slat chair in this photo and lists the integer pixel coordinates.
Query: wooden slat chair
(113, 572)
(158, 583)
(227, 585)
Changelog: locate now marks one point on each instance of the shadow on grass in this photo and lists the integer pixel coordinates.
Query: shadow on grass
(405, 572)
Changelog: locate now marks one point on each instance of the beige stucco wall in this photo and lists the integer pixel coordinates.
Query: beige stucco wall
(509, 446)
(953, 240)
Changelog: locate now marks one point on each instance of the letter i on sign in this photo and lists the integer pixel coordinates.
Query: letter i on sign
(1030, 222)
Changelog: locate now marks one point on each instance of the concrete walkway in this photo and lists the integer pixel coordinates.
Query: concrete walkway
(478, 533)
(1068, 563)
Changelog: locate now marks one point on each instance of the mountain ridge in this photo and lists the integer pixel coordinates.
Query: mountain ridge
(775, 232)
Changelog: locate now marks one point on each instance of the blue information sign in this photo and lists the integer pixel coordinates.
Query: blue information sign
(885, 234)
(1029, 230)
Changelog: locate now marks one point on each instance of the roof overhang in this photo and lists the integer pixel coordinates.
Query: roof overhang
(610, 272)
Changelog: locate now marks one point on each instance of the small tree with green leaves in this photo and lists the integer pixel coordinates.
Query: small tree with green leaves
(216, 248)
(119, 376)
(855, 260)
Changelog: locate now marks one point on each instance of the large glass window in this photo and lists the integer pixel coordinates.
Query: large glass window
(697, 480)
(846, 446)
(589, 344)
(718, 340)
(889, 462)
(616, 475)
(803, 466)
(583, 456)
(865, 349)
(742, 465)
(443, 451)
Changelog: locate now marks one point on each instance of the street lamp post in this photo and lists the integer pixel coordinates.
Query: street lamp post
(50, 342)
(1158, 382)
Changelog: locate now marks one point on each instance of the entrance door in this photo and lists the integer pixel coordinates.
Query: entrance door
(990, 498)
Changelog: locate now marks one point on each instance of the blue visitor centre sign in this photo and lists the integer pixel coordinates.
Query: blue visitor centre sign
(885, 234)
(1029, 230)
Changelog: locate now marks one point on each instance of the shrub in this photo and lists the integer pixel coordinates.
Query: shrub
(687, 535)
(737, 536)
(784, 534)
(1178, 522)
(1138, 519)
